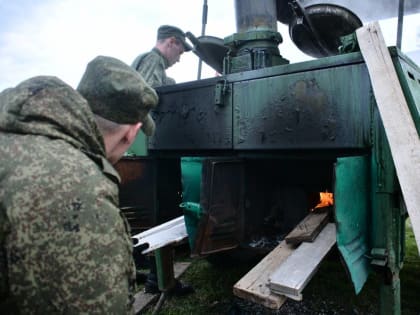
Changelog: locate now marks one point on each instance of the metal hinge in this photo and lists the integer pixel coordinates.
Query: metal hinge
(220, 91)
(379, 257)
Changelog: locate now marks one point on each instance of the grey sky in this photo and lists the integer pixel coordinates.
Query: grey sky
(59, 37)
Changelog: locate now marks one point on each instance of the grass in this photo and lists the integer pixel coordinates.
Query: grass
(213, 290)
(410, 275)
(329, 292)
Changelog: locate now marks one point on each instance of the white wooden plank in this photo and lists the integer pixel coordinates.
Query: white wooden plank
(171, 232)
(254, 285)
(142, 300)
(293, 274)
(399, 126)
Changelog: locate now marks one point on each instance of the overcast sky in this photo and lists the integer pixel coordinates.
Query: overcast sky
(59, 37)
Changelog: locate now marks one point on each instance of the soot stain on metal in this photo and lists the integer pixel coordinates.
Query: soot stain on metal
(186, 110)
(243, 125)
(269, 120)
(309, 94)
(313, 107)
(201, 116)
(243, 130)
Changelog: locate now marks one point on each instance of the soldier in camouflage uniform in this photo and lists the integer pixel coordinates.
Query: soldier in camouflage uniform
(64, 245)
(152, 65)
(169, 47)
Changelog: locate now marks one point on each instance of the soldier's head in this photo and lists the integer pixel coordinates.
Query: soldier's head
(171, 43)
(121, 101)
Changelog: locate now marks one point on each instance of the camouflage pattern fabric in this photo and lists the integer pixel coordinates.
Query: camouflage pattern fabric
(124, 103)
(152, 67)
(64, 245)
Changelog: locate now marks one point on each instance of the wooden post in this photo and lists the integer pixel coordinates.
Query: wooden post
(399, 126)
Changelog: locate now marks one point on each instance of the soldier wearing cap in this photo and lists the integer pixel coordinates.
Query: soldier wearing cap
(64, 245)
(170, 45)
(152, 65)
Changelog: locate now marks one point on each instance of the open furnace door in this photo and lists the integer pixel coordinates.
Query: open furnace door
(222, 197)
(352, 211)
(150, 191)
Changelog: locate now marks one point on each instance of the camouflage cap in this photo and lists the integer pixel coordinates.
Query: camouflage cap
(118, 93)
(166, 31)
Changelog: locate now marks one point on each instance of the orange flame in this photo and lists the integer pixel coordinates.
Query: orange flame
(326, 199)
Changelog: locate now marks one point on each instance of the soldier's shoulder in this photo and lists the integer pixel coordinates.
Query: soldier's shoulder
(152, 57)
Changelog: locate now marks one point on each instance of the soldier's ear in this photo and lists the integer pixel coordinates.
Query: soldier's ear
(173, 40)
(131, 132)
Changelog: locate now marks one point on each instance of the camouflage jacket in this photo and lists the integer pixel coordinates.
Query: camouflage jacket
(64, 246)
(152, 66)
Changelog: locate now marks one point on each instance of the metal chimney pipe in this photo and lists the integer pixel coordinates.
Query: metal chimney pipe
(255, 45)
(254, 15)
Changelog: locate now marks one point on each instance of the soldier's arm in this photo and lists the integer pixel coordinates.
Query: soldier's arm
(103, 273)
(152, 70)
(73, 252)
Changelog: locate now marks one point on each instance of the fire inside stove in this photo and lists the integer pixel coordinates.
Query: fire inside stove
(326, 199)
(259, 202)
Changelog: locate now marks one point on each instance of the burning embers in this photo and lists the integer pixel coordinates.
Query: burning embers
(326, 199)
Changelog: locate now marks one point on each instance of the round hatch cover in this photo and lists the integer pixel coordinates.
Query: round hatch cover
(329, 22)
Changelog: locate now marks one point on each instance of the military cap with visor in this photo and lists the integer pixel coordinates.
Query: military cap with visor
(118, 93)
(166, 31)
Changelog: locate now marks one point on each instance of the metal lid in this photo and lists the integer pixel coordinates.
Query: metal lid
(316, 30)
(210, 49)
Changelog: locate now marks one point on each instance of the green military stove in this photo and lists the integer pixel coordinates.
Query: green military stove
(275, 134)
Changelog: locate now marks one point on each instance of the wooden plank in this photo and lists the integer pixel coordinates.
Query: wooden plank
(399, 126)
(254, 285)
(171, 232)
(143, 299)
(308, 229)
(292, 275)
